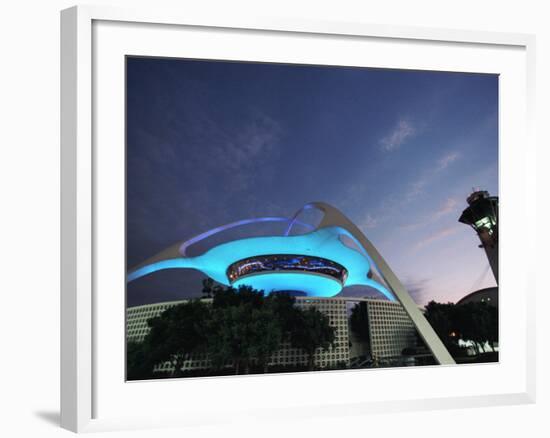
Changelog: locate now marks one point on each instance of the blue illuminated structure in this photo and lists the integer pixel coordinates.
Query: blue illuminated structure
(331, 256)
(324, 243)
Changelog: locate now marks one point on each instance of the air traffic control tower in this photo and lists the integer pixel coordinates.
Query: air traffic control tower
(482, 216)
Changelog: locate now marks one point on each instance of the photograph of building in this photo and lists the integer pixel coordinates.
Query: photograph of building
(284, 218)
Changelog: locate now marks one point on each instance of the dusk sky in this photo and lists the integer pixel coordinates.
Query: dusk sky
(396, 151)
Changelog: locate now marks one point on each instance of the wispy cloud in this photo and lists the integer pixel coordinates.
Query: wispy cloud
(211, 157)
(395, 203)
(447, 207)
(368, 221)
(417, 186)
(256, 141)
(446, 160)
(438, 235)
(417, 289)
(401, 132)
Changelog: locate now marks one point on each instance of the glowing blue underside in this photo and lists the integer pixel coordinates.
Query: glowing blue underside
(311, 284)
(324, 242)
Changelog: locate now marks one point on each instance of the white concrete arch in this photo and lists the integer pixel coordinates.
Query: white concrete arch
(334, 217)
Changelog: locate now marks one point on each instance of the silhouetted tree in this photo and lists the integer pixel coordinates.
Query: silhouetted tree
(312, 331)
(359, 322)
(245, 329)
(441, 317)
(493, 327)
(473, 322)
(241, 327)
(285, 311)
(178, 332)
(207, 287)
(229, 297)
(138, 361)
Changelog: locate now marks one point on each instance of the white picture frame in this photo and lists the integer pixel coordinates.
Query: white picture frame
(83, 370)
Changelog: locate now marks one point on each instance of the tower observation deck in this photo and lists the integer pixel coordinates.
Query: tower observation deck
(482, 216)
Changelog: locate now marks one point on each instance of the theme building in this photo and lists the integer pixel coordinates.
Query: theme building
(320, 263)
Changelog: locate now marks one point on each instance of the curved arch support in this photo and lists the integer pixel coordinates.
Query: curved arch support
(185, 245)
(177, 263)
(294, 219)
(334, 217)
(173, 256)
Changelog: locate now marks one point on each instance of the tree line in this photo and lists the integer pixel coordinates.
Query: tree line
(474, 321)
(240, 329)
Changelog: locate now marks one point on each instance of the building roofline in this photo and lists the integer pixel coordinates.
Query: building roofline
(337, 298)
(485, 289)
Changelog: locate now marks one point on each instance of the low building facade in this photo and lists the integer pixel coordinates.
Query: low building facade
(390, 328)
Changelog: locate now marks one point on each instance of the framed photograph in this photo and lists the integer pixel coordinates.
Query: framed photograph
(282, 217)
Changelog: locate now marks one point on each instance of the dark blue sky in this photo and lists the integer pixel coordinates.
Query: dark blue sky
(397, 151)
